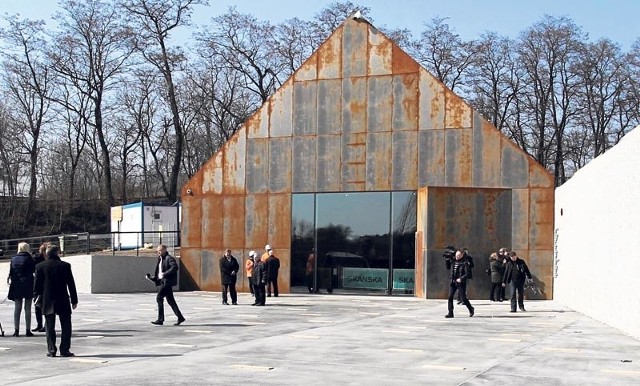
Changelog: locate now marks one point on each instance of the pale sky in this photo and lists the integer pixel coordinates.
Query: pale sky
(613, 19)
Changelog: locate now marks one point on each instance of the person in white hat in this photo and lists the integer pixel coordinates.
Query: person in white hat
(265, 255)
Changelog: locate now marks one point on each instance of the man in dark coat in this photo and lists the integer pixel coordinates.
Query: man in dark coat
(458, 282)
(165, 277)
(273, 265)
(229, 274)
(515, 273)
(54, 283)
(260, 277)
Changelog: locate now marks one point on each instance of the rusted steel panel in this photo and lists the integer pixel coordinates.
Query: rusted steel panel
(486, 154)
(194, 185)
(330, 106)
(234, 219)
(496, 212)
(404, 165)
(257, 165)
(284, 274)
(211, 222)
(380, 53)
(280, 165)
(541, 202)
(308, 70)
(280, 221)
(281, 112)
(457, 112)
(256, 224)
(540, 262)
(191, 218)
(403, 63)
(431, 158)
(210, 270)
(328, 163)
(190, 268)
(539, 177)
(234, 164)
(405, 102)
(432, 102)
(504, 206)
(329, 55)
(520, 219)
(354, 48)
(257, 125)
(212, 174)
(304, 164)
(378, 161)
(305, 112)
(458, 153)
(353, 162)
(514, 166)
(354, 105)
(379, 103)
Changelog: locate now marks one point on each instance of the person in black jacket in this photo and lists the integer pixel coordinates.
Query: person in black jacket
(165, 277)
(273, 265)
(260, 277)
(39, 258)
(458, 282)
(228, 274)
(20, 282)
(515, 273)
(55, 284)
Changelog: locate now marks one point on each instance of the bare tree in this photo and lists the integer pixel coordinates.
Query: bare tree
(28, 80)
(154, 21)
(92, 49)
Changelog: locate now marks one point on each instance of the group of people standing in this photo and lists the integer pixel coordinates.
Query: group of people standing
(262, 273)
(48, 280)
(508, 273)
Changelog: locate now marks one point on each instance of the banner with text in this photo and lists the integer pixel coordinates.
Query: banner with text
(369, 278)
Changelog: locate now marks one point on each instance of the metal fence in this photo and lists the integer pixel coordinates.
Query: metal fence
(87, 243)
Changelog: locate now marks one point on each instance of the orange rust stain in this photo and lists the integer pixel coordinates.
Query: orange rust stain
(403, 63)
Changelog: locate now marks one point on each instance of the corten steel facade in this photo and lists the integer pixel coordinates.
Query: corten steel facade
(361, 115)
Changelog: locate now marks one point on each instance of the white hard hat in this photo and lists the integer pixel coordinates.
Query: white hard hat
(252, 253)
(267, 247)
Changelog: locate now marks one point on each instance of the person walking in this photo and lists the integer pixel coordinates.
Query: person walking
(273, 265)
(515, 274)
(20, 282)
(458, 282)
(260, 278)
(228, 274)
(503, 257)
(38, 258)
(496, 272)
(55, 284)
(165, 277)
(248, 269)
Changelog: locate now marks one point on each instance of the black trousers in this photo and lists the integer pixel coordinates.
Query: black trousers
(272, 284)
(231, 288)
(65, 332)
(166, 291)
(519, 287)
(496, 290)
(250, 286)
(260, 292)
(38, 316)
(462, 293)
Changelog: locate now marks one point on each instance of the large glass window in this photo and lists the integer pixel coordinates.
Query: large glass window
(357, 241)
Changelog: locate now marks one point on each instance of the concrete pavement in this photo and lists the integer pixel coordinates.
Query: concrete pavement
(322, 340)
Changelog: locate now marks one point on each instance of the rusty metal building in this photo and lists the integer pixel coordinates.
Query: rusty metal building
(360, 115)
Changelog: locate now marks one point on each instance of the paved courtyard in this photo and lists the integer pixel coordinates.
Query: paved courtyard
(322, 340)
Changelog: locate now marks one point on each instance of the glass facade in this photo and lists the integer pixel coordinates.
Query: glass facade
(353, 242)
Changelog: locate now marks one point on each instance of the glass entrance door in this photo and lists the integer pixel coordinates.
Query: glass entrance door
(353, 242)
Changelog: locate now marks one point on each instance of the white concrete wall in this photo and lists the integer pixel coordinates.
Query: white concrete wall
(102, 274)
(597, 217)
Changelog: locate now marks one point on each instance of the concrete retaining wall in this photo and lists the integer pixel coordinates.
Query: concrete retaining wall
(598, 238)
(102, 274)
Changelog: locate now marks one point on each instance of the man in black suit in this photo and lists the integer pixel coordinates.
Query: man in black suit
(55, 285)
(165, 277)
(229, 274)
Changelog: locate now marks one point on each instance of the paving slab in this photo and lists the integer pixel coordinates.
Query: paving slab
(322, 340)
